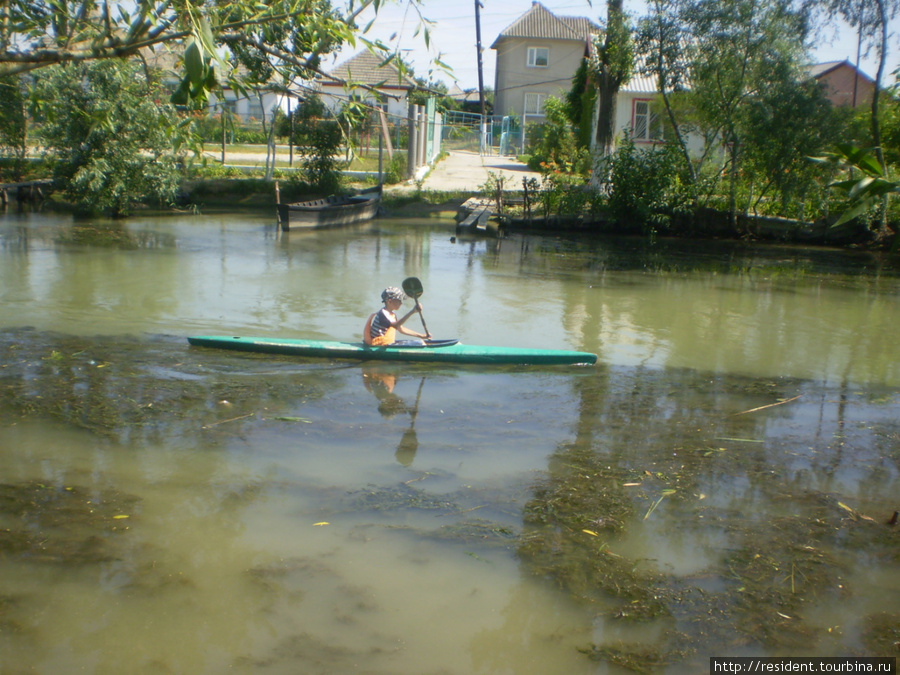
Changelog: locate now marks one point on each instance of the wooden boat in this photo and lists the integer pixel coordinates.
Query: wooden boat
(332, 211)
(431, 351)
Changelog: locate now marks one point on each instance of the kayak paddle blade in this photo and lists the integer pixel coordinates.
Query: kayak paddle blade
(413, 287)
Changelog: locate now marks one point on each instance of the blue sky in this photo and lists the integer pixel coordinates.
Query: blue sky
(453, 35)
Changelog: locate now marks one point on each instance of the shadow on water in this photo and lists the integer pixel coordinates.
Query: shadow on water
(690, 514)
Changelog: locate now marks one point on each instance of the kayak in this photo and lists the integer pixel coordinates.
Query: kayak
(430, 351)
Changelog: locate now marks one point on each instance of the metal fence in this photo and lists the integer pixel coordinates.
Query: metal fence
(493, 135)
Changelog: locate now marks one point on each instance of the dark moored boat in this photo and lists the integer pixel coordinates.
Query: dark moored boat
(332, 211)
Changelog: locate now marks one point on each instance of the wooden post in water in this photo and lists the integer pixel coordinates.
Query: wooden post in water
(277, 202)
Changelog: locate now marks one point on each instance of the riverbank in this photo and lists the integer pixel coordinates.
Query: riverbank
(461, 175)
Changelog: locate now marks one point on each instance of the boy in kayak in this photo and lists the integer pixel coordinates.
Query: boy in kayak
(383, 325)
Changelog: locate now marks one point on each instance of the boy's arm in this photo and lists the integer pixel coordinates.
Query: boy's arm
(406, 331)
(399, 324)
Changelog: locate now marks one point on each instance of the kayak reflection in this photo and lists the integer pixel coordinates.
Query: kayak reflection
(382, 383)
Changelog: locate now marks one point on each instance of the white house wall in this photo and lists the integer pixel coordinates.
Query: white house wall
(247, 109)
(625, 120)
(335, 97)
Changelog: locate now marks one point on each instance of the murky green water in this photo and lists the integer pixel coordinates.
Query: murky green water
(718, 485)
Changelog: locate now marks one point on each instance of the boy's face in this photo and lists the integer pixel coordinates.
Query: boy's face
(393, 304)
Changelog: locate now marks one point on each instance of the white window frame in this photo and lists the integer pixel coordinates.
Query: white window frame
(533, 60)
(646, 125)
(537, 97)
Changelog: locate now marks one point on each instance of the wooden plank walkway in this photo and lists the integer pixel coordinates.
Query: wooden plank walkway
(29, 190)
(474, 216)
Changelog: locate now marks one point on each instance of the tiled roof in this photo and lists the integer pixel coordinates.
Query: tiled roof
(581, 25)
(365, 68)
(540, 22)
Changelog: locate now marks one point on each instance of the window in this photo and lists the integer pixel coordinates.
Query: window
(534, 104)
(646, 125)
(538, 57)
(255, 109)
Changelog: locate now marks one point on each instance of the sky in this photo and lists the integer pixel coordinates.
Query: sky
(453, 36)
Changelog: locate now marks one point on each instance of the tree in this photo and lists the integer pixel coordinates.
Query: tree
(320, 137)
(286, 37)
(12, 124)
(785, 123)
(871, 22)
(580, 101)
(739, 49)
(660, 44)
(108, 135)
(557, 149)
(611, 65)
(870, 18)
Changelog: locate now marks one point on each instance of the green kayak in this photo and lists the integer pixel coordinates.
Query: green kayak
(433, 351)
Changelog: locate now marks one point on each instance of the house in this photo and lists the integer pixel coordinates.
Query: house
(469, 100)
(168, 65)
(844, 83)
(539, 53)
(391, 87)
(247, 108)
(537, 57)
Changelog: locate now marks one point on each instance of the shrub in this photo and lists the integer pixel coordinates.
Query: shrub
(645, 187)
(553, 145)
(109, 135)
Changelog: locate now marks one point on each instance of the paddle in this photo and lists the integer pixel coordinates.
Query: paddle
(413, 288)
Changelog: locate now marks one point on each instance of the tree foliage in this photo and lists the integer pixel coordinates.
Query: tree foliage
(787, 122)
(739, 50)
(866, 186)
(108, 135)
(660, 43)
(279, 37)
(320, 137)
(611, 66)
(580, 101)
(647, 188)
(12, 126)
(556, 149)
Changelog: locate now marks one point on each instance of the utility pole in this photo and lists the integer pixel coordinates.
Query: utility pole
(478, 46)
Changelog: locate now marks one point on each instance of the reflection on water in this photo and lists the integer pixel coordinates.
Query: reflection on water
(719, 485)
(381, 381)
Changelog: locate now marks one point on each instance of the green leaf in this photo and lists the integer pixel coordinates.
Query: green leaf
(181, 96)
(194, 63)
(861, 187)
(852, 212)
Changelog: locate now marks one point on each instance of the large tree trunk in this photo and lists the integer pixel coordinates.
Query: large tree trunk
(608, 83)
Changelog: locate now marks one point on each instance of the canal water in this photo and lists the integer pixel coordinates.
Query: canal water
(719, 484)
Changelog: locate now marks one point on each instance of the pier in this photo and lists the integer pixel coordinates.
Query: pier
(26, 191)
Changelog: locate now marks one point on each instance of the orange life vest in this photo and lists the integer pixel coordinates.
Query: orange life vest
(378, 340)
